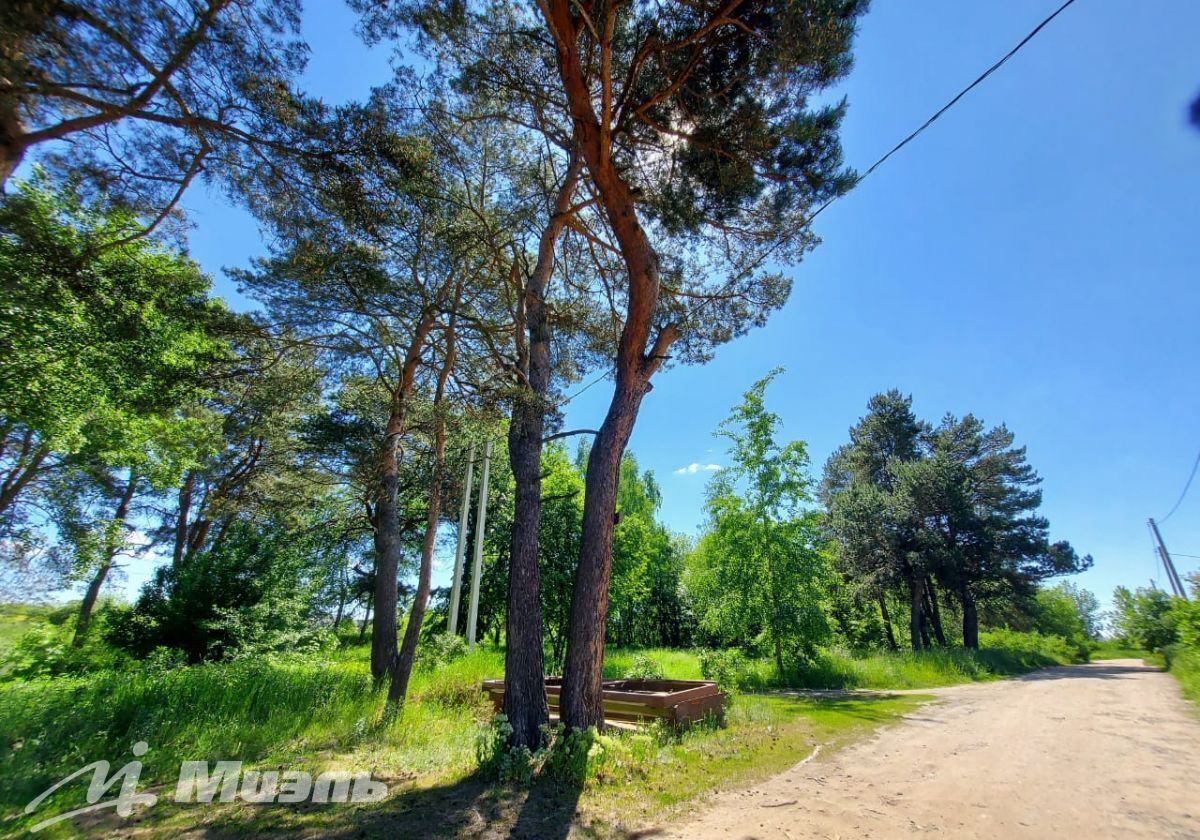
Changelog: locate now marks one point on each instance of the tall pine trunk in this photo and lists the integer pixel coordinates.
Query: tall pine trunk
(916, 612)
(524, 666)
(181, 518)
(110, 552)
(387, 550)
(416, 614)
(887, 622)
(640, 353)
(402, 670)
(362, 631)
(970, 619)
(388, 546)
(935, 614)
(524, 669)
(12, 147)
(582, 703)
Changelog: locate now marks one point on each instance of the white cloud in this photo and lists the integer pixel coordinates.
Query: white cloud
(692, 469)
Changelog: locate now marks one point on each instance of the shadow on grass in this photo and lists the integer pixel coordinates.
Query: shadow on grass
(469, 807)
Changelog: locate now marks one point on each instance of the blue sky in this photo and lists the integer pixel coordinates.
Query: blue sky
(1030, 259)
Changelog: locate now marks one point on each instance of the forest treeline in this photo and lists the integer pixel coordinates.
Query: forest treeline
(555, 195)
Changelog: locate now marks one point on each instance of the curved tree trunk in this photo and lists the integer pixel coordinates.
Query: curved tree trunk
(402, 669)
(887, 622)
(387, 551)
(582, 703)
(935, 615)
(97, 582)
(524, 666)
(640, 353)
(416, 615)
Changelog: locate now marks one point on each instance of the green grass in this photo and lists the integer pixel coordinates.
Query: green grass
(1110, 649)
(1004, 654)
(1184, 663)
(18, 619)
(324, 713)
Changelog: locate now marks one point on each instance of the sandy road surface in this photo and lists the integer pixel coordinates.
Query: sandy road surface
(1109, 749)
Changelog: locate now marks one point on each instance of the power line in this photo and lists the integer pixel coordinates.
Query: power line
(966, 90)
(1183, 495)
(912, 136)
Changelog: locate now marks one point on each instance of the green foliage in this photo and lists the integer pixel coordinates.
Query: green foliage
(1143, 618)
(46, 651)
(441, 650)
(97, 342)
(1057, 648)
(915, 506)
(1183, 661)
(758, 575)
(1067, 612)
(1185, 616)
(251, 594)
(644, 668)
(728, 668)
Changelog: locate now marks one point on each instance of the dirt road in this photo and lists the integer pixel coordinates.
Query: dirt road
(1109, 749)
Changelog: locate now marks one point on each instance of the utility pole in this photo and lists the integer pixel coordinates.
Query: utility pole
(460, 554)
(477, 566)
(1172, 575)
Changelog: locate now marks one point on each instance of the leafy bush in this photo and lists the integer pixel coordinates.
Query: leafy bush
(1144, 619)
(238, 599)
(442, 649)
(1184, 663)
(589, 757)
(728, 668)
(643, 668)
(1052, 647)
(46, 651)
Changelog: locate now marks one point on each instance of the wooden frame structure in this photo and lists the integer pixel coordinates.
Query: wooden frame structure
(677, 702)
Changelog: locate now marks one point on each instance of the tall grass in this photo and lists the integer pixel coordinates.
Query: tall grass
(1184, 664)
(1004, 653)
(257, 711)
(325, 712)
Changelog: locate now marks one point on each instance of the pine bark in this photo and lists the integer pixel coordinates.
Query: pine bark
(887, 623)
(970, 619)
(638, 357)
(402, 669)
(524, 666)
(387, 550)
(97, 582)
(935, 614)
(916, 613)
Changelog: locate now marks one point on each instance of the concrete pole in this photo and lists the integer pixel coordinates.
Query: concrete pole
(477, 570)
(461, 553)
(1172, 576)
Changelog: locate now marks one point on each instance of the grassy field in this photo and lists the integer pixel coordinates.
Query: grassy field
(18, 619)
(323, 713)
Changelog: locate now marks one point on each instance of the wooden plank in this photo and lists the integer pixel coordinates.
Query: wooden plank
(678, 700)
(694, 710)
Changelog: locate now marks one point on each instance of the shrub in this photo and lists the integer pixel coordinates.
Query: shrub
(442, 649)
(46, 651)
(643, 668)
(728, 668)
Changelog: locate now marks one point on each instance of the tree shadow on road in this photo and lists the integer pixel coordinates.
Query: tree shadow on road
(1094, 671)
